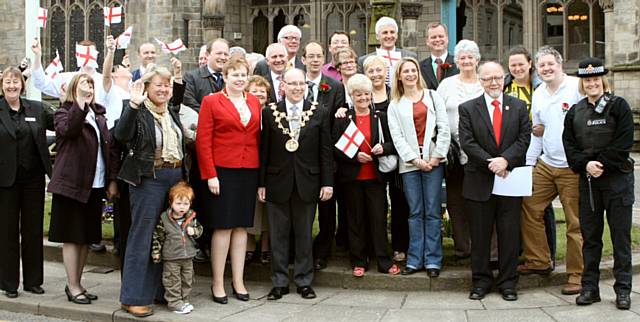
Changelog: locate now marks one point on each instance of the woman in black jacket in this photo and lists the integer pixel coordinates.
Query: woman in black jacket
(152, 133)
(24, 161)
(363, 184)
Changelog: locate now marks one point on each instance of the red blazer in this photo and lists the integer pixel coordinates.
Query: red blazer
(222, 140)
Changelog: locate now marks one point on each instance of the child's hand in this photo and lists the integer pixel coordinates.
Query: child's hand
(190, 231)
(156, 258)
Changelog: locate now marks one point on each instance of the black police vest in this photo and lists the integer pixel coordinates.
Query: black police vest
(593, 131)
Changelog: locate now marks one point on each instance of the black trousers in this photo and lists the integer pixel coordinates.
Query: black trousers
(295, 216)
(504, 213)
(21, 231)
(614, 194)
(399, 215)
(327, 225)
(367, 217)
(122, 220)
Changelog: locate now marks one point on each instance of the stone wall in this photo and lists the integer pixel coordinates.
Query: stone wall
(430, 13)
(12, 26)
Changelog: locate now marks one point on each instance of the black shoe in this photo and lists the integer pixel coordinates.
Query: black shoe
(249, 256)
(276, 293)
(11, 294)
(587, 298)
(219, 299)
(34, 289)
(319, 264)
(410, 270)
(242, 297)
(306, 292)
(477, 293)
(433, 272)
(76, 298)
(623, 301)
(98, 248)
(201, 257)
(509, 294)
(94, 297)
(265, 257)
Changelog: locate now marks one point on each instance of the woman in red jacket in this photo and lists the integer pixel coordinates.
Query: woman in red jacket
(227, 148)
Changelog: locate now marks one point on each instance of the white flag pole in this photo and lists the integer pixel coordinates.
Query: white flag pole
(32, 31)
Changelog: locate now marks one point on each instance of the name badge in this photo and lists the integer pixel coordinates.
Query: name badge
(29, 119)
(596, 122)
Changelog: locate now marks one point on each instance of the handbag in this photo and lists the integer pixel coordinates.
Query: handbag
(386, 163)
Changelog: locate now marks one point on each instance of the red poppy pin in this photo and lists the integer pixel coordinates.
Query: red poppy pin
(324, 87)
(565, 107)
(445, 66)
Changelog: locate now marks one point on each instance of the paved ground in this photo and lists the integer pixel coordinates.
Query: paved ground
(6, 316)
(332, 304)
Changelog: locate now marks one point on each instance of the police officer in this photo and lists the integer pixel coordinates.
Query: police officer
(597, 138)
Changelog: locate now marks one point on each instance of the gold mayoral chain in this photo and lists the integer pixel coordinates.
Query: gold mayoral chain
(292, 144)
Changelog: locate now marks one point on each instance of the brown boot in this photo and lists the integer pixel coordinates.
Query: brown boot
(571, 289)
(138, 311)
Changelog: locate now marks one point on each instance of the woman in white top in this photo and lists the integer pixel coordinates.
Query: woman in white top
(456, 90)
(420, 130)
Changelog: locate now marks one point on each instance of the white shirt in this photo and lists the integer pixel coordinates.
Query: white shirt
(488, 100)
(98, 177)
(112, 102)
(434, 65)
(316, 86)
(347, 97)
(52, 87)
(276, 84)
(290, 113)
(549, 110)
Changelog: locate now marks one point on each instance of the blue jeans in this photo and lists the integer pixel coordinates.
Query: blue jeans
(141, 278)
(423, 191)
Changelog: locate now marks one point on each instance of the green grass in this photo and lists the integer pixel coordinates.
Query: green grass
(107, 229)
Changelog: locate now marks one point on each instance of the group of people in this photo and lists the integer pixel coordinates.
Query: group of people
(271, 145)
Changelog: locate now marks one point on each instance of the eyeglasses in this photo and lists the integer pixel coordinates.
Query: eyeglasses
(348, 62)
(163, 85)
(296, 84)
(489, 80)
(290, 38)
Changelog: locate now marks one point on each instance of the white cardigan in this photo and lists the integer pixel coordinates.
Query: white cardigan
(403, 130)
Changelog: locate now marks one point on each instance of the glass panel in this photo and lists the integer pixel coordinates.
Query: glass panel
(260, 31)
(302, 21)
(357, 31)
(512, 28)
(488, 25)
(598, 25)
(76, 34)
(578, 27)
(57, 38)
(333, 23)
(96, 31)
(552, 31)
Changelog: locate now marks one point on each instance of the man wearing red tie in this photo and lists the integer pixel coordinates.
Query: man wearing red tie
(494, 133)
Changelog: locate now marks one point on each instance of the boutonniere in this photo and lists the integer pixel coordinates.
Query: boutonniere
(446, 66)
(565, 108)
(324, 87)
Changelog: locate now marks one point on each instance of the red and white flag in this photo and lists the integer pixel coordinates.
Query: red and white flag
(350, 140)
(42, 17)
(172, 48)
(122, 42)
(54, 67)
(112, 15)
(86, 56)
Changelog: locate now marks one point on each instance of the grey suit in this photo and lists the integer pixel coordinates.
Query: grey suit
(198, 84)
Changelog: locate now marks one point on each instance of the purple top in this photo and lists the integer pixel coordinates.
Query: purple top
(330, 70)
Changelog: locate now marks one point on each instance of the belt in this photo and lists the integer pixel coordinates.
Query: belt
(165, 165)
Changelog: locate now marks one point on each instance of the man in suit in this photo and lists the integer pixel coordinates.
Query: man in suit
(387, 35)
(206, 80)
(296, 169)
(494, 133)
(329, 93)
(147, 55)
(276, 58)
(290, 37)
(440, 64)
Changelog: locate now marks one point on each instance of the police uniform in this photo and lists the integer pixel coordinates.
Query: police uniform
(603, 132)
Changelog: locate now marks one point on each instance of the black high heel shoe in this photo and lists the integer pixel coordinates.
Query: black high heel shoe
(76, 298)
(219, 300)
(242, 297)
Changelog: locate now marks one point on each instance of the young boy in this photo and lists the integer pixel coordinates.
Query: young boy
(174, 243)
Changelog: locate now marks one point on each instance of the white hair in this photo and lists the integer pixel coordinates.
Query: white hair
(274, 46)
(467, 46)
(289, 29)
(203, 50)
(386, 21)
(237, 49)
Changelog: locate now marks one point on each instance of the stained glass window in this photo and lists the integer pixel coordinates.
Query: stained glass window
(57, 37)
(76, 34)
(96, 31)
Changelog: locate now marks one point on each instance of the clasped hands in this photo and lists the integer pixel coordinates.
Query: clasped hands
(498, 166)
(425, 165)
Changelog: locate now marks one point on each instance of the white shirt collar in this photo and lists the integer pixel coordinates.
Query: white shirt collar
(488, 100)
(289, 105)
(443, 57)
(316, 80)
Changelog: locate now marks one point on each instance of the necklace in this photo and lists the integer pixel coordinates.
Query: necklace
(292, 144)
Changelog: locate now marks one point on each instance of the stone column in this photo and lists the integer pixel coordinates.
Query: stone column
(380, 8)
(609, 31)
(212, 19)
(411, 11)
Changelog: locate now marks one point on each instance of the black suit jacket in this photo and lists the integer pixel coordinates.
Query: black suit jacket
(43, 115)
(477, 139)
(198, 84)
(429, 75)
(332, 99)
(309, 168)
(349, 168)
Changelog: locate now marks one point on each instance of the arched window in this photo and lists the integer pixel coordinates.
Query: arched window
(58, 32)
(76, 34)
(96, 30)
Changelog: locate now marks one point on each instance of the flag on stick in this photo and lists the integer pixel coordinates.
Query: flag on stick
(172, 48)
(112, 15)
(86, 56)
(54, 67)
(42, 17)
(122, 42)
(350, 140)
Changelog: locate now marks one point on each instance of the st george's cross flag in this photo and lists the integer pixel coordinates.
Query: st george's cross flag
(112, 15)
(55, 67)
(172, 48)
(42, 17)
(86, 56)
(350, 140)
(122, 41)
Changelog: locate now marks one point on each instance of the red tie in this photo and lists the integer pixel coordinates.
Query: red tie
(497, 120)
(439, 69)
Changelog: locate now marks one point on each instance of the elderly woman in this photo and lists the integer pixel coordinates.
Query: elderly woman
(79, 180)
(227, 148)
(259, 87)
(364, 186)
(597, 138)
(420, 130)
(25, 161)
(376, 70)
(347, 64)
(454, 91)
(150, 127)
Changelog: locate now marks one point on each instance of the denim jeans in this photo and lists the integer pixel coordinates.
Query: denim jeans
(423, 191)
(141, 278)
